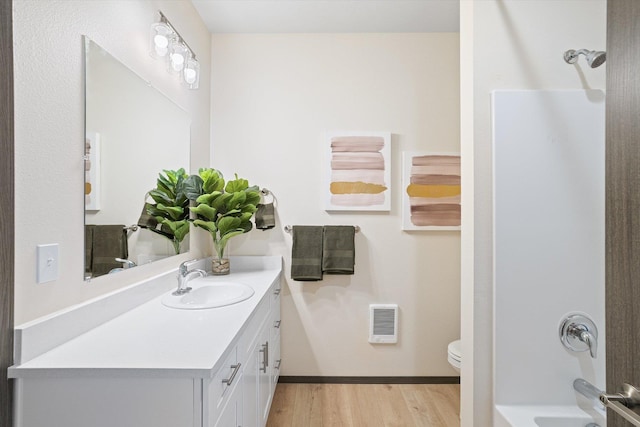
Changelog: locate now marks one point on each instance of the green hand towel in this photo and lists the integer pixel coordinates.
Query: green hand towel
(265, 216)
(88, 248)
(339, 251)
(109, 242)
(306, 253)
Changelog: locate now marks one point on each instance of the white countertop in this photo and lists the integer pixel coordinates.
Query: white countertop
(154, 340)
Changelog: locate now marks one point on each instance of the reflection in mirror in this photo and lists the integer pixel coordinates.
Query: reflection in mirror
(133, 133)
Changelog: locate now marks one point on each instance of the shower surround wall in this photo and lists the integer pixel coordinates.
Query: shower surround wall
(504, 47)
(548, 241)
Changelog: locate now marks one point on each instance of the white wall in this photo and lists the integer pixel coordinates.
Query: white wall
(273, 98)
(49, 133)
(506, 44)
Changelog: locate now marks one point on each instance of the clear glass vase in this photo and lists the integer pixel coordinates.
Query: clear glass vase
(220, 262)
(220, 266)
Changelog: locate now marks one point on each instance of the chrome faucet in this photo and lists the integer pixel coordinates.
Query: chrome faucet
(185, 275)
(579, 333)
(127, 262)
(582, 334)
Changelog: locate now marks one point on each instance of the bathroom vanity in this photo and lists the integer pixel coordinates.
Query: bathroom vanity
(130, 364)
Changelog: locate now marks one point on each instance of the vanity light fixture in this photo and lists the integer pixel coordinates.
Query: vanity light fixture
(167, 44)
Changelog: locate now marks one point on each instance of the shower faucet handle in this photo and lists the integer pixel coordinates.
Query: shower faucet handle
(579, 333)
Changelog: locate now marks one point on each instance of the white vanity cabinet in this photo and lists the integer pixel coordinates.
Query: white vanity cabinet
(161, 367)
(276, 323)
(259, 350)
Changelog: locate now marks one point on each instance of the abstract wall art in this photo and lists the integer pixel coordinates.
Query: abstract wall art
(431, 191)
(358, 172)
(92, 172)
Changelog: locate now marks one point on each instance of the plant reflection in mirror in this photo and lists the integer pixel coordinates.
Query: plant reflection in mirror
(171, 209)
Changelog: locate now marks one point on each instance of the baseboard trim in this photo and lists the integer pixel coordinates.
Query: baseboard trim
(367, 380)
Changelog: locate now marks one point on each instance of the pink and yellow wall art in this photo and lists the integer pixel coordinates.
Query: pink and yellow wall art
(92, 172)
(359, 172)
(431, 191)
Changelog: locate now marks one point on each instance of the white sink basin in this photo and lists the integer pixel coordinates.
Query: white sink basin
(209, 294)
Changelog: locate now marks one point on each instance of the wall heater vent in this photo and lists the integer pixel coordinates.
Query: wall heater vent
(383, 323)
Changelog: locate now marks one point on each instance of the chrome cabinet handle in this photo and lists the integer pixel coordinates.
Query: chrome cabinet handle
(235, 368)
(276, 324)
(265, 357)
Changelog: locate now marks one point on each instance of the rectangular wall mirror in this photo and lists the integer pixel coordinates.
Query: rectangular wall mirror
(133, 133)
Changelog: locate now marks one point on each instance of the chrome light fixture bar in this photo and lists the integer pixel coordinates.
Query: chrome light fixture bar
(168, 45)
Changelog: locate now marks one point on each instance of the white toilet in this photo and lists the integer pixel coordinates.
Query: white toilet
(454, 354)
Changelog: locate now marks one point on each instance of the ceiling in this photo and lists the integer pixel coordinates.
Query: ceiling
(329, 16)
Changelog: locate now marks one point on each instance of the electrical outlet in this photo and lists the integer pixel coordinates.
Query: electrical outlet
(47, 263)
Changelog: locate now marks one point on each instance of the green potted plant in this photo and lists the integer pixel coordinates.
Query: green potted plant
(223, 209)
(171, 208)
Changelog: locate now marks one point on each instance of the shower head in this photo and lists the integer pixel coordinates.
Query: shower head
(594, 58)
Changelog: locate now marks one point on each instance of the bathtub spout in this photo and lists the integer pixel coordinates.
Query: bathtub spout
(587, 389)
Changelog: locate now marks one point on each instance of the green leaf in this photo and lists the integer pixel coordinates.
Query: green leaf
(160, 197)
(182, 229)
(220, 203)
(181, 195)
(152, 210)
(193, 187)
(249, 208)
(233, 212)
(227, 224)
(210, 226)
(170, 225)
(212, 180)
(253, 197)
(175, 212)
(246, 226)
(238, 184)
(205, 211)
(208, 198)
(236, 200)
(246, 217)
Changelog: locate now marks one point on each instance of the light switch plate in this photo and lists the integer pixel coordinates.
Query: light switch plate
(47, 263)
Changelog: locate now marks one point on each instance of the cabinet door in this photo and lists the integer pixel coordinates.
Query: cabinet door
(274, 347)
(264, 375)
(219, 388)
(231, 415)
(274, 340)
(250, 389)
(256, 380)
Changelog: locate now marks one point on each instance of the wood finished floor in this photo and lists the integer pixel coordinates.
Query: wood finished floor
(366, 405)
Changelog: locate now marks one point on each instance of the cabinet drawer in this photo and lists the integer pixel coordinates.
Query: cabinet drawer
(276, 362)
(221, 385)
(276, 291)
(250, 334)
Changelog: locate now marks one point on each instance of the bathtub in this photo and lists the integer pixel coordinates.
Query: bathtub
(548, 416)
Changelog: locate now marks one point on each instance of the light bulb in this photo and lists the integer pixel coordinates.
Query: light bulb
(161, 41)
(161, 36)
(177, 55)
(189, 75)
(177, 60)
